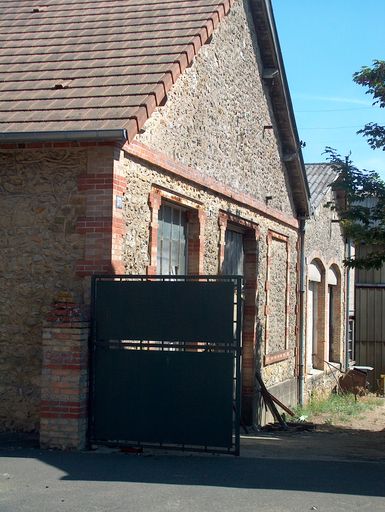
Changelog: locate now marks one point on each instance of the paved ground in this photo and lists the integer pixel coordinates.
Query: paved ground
(266, 477)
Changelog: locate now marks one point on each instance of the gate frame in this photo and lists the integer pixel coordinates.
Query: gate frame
(235, 349)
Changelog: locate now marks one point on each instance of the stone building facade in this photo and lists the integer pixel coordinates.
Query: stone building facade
(326, 300)
(44, 203)
(221, 153)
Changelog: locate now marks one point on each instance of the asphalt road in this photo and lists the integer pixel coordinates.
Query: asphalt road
(33, 480)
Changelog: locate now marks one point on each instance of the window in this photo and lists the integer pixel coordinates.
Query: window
(172, 240)
(331, 300)
(335, 317)
(315, 317)
(234, 253)
(312, 331)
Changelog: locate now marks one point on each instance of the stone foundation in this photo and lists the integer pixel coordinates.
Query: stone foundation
(286, 392)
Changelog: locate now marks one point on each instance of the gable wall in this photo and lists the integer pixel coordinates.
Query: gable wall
(215, 115)
(324, 235)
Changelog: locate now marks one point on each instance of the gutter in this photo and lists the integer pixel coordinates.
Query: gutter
(287, 98)
(62, 136)
(301, 380)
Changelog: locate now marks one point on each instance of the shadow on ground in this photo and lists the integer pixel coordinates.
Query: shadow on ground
(296, 469)
(324, 443)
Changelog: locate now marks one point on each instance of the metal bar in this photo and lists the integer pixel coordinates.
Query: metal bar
(363, 285)
(238, 367)
(162, 446)
(189, 277)
(91, 349)
(220, 347)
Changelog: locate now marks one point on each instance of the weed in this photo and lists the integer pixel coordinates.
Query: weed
(338, 408)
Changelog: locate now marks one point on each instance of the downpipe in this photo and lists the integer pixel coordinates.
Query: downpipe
(348, 253)
(301, 383)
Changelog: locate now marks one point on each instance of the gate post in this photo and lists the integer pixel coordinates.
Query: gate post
(64, 392)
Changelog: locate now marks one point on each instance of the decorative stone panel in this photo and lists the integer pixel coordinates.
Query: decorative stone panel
(277, 298)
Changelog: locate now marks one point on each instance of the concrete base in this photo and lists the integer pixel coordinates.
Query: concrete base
(286, 392)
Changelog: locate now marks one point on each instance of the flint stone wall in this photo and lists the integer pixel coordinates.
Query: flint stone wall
(142, 178)
(39, 206)
(324, 240)
(324, 235)
(214, 121)
(216, 115)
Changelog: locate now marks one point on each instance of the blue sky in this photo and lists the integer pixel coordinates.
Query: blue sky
(323, 43)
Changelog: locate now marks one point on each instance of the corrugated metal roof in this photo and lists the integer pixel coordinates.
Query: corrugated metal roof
(95, 65)
(320, 177)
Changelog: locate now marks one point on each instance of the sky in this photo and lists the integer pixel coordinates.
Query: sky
(323, 43)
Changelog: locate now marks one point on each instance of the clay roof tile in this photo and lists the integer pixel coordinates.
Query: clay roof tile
(70, 65)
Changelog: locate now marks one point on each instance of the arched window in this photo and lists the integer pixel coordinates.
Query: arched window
(334, 318)
(315, 331)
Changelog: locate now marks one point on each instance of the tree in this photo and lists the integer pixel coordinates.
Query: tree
(361, 208)
(374, 79)
(362, 211)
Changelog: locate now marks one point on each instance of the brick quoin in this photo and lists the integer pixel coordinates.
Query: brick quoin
(103, 226)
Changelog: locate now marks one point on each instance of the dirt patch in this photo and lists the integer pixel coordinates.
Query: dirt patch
(361, 437)
(369, 420)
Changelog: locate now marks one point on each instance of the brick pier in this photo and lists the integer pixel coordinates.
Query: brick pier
(64, 393)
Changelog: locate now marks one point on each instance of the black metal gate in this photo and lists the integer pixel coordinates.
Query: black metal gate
(165, 367)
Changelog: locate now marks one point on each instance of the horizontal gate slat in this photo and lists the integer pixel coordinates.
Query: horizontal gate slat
(172, 311)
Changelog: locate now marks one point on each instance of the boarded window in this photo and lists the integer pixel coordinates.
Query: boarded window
(172, 240)
(312, 324)
(234, 253)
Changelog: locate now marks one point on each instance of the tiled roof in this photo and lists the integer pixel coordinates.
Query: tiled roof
(320, 177)
(95, 65)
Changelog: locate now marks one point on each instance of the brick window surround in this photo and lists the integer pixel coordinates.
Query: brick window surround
(320, 318)
(275, 356)
(249, 350)
(322, 315)
(337, 315)
(196, 223)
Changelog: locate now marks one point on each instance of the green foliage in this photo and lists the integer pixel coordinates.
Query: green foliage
(337, 408)
(373, 78)
(362, 210)
(375, 134)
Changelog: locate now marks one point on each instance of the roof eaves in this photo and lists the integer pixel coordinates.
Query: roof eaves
(61, 136)
(271, 55)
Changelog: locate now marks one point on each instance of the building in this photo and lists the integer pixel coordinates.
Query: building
(328, 285)
(143, 139)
